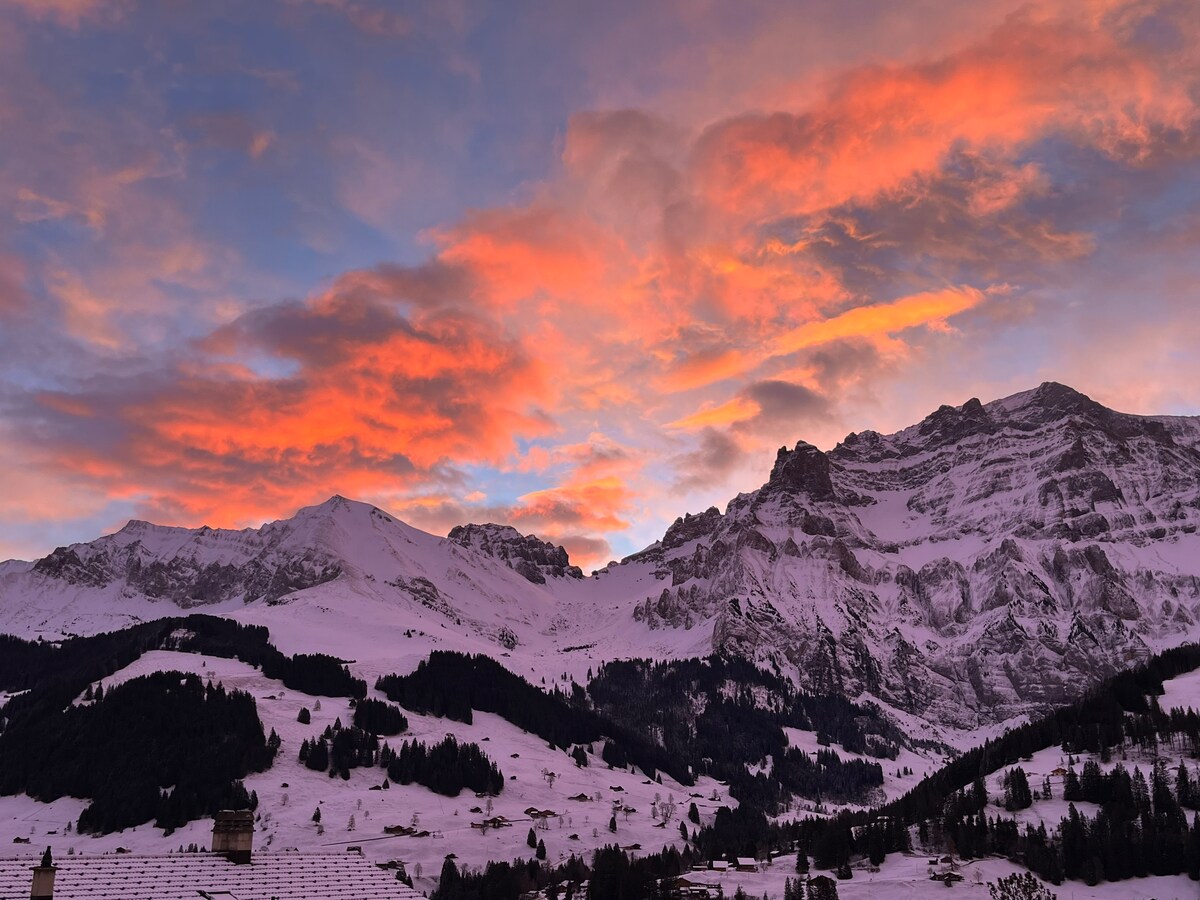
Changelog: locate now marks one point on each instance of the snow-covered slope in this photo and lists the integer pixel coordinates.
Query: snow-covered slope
(988, 561)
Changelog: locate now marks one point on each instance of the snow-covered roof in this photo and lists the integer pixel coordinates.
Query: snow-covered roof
(189, 876)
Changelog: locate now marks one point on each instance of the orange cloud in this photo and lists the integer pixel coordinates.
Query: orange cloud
(524, 254)
(930, 309)
(701, 369)
(373, 398)
(735, 410)
(882, 126)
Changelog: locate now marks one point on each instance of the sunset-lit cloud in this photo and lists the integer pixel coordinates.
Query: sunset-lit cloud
(474, 266)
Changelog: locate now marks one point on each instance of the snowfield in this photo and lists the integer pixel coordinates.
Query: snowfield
(289, 793)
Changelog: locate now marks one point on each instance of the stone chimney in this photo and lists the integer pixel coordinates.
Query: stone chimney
(43, 879)
(233, 834)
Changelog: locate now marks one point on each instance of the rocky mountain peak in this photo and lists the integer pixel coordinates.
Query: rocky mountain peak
(1052, 402)
(527, 555)
(949, 424)
(804, 469)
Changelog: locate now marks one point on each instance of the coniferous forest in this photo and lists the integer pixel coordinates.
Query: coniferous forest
(149, 733)
(735, 727)
(1142, 822)
(445, 768)
(164, 747)
(453, 685)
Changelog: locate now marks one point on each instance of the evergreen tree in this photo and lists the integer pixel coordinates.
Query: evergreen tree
(540, 852)
(1019, 886)
(1017, 794)
(449, 880)
(305, 717)
(1071, 787)
(822, 888)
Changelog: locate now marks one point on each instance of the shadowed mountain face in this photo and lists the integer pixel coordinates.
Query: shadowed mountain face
(982, 563)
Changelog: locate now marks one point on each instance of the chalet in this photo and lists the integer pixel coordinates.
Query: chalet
(581, 798)
(747, 864)
(947, 878)
(232, 870)
(688, 886)
(719, 865)
(493, 822)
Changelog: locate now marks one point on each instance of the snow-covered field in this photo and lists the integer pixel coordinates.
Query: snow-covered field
(289, 792)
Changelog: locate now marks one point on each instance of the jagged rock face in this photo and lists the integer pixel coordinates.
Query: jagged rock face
(187, 578)
(532, 558)
(987, 561)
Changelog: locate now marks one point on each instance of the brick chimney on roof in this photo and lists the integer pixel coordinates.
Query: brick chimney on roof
(233, 834)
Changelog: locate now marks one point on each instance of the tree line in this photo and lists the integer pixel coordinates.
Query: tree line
(453, 685)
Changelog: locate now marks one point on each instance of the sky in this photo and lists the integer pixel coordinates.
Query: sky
(576, 267)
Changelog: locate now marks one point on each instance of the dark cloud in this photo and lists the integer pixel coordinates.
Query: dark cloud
(716, 456)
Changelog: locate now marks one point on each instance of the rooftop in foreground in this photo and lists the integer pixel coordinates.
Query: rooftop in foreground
(192, 876)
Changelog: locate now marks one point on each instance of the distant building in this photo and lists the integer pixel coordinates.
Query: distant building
(747, 864)
(231, 872)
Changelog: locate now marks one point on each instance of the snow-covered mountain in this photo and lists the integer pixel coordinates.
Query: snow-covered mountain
(988, 560)
(341, 551)
(985, 562)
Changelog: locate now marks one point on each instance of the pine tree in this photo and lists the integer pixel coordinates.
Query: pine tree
(531, 839)
(693, 814)
(1017, 794)
(801, 862)
(540, 852)
(305, 717)
(1071, 788)
(612, 824)
(316, 816)
(449, 880)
